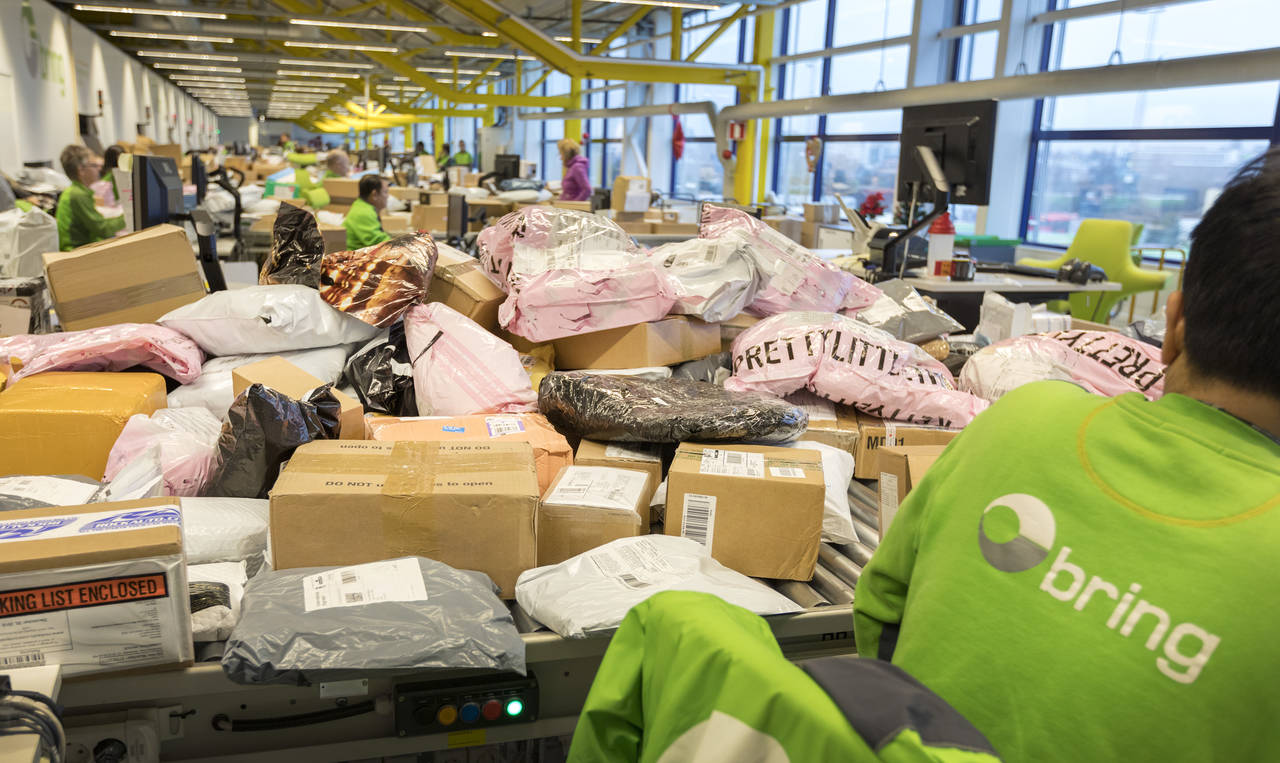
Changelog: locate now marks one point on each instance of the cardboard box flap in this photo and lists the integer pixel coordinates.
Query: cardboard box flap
(74, 536)
(409, 468)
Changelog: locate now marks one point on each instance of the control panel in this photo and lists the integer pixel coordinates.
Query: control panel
(434, 707)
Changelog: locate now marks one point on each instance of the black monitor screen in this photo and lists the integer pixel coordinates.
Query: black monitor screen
(157, 190)
(962, 136)
(199, 177)
(507, 165)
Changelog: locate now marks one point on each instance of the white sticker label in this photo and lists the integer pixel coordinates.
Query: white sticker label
(888, 500)
(818, 408)
(49, 491)
(890, 434)
(790, 472)
(43, 528)
(635, 565)
(698, 522)
(500, 426)
(601, 487)
(635, 452)
(732, 463)
(395, 580)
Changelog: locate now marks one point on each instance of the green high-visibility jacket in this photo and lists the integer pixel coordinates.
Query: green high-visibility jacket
(364, 228)
(79, 221)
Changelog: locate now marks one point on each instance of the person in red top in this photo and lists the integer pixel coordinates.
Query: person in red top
(575, 186)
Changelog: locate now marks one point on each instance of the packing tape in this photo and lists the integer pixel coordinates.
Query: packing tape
(129, 297)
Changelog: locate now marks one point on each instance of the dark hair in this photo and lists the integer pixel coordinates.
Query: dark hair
(369, 185)
(111, 157)
(1232, 283)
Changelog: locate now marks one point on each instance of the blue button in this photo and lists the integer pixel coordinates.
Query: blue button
(469, 713)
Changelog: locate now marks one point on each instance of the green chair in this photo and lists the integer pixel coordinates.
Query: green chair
(1104, 243)
(314, 193)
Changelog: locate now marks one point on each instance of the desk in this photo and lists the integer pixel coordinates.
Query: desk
(963, 299)
(25, 748)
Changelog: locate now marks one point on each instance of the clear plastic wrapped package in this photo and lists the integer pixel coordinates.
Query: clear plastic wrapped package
(714, 279)
(461, 369)
(187, 438)
(382, 374)
(851, 363)
(215, 389)
(535, 229)
(225, 530)
(593, 591)
(301, 626)
(1103, 362)
(379, 283)
(107, 348)
(628, 409)
(906, 315)
(559, 303)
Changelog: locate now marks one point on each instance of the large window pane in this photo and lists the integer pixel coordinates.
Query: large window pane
(884, 69)
(1165, 185)
(865, 20)
(981, 11)
(857, 169)
(699, 174)
(697, 125)
(551, 167)
(596, 164)
(1251, 104)
(612, 161)
(723, 51)
(865, 122)
(976, 58)
(795, 182)
(807, 27)
(803, 79)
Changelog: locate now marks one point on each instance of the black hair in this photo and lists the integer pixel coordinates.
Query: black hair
(1231, 292)
(369, 185)
(111, 157)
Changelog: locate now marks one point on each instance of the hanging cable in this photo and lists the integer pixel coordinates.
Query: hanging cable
(1116, 56)
(884, 36)
(1021, 68)
(23, 712)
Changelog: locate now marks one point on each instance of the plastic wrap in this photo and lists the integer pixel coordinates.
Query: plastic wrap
(714, 279)
(648, 373)
(314, 624)
(627, 409)
(225, 530)
(560, 303)
(713, 369)
(107, 348)
(216, 591)
(905, 315)
(24, 238)
(382, 375)
(851, 363)
(837, 472)
(795, 278)
(262, 430)
(1150, 330)
(460, 369)
(24, 294)
(187, 438)
(215, 389)
(296, 249)
(266, 319)
(39, 491)
(379, 283)
(565, 234)
(1103, 362)
(593, 591)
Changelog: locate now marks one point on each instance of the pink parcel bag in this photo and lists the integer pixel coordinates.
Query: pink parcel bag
(106, 348)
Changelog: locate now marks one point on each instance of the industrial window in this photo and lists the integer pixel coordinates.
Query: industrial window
(858, 21)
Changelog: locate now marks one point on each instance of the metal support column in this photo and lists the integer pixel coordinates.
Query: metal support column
(573, 127)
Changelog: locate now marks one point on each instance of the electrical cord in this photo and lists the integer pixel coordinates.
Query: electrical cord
(26, 712)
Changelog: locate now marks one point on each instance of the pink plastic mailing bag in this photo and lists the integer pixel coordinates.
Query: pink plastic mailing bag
(796, 279)
(851, 363)
(560, 303)
(459, 368)
(546, 228)
(106, 348)
(1103, 362)
(187, 439)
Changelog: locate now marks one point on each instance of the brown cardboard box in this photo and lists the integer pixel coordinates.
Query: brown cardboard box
(821, 213)
(341, 209)
(676, 229)
(471, 180)
(630, 217)
(460, 283)
(791, 227)
(407, 193)
(396, 223)
(66, 422)
(670, 215)
(588, 506)
(875, 434)
(829, 424)
(765, 525)
(265, 169)
(581, 206)
(132, 279)
(282, 376)
(1079, 325)
(471, 505)
(624, 184)
(637, 229)
(102, 588)
(171, 150)
(730, 329)
(342, 190)
(900, 469)
(671, 340)
(335, 236)
(236, 163)
(431, 218)
(809, 234)
(653, 215)
(493, 208)
(645, 457)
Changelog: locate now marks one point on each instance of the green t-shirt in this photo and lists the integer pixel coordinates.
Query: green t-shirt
(79, 221)
(1088, 578)
(363, 226)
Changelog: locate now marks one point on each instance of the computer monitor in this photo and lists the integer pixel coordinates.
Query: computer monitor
(962, 136)
(157, 190)
(199, 177)
(506, 166)
(457, 218)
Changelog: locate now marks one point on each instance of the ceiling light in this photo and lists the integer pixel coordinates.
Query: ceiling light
(211, 85)
(308, 83)
(193, 56)
(342, 46)
(441, 70)
(203, 78)
(199, 68)
(667, 4)
(167, 36)
(586, 40)
(152, 11)
(486, 54)
(330, 75)
(321, 90)
(341, 23)
(319, 62)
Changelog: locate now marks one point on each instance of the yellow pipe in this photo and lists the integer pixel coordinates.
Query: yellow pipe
(677, 34)
(753, 150)
(717, 32)
(546, 73)
(573, 127)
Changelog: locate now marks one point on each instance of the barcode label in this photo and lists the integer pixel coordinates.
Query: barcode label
(396, 580)
(601, 487)
(698, 522)
(632, 581)
(500, 426)
(734, 463)
(354, 598)
(790, 472)
(348, 578)
(32, 660)
(634, 562)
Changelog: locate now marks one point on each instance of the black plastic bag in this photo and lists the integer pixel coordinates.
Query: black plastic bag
(630, 409)
(297, 249)
(382, 374)
(262, 430)
(521, 184)
(713, 369)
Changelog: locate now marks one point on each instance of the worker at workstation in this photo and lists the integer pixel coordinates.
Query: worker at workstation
(420, 149)
(110, 163)
(79, 221)
(364, 227)
(336, 165)
(460, 159)
(286, 143)
(575, 184)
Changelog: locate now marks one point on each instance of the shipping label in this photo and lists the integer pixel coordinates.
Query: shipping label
(698, 520)
(732, 463)
(600, 487)
(360, 584)
(500, 426)
(635, 565)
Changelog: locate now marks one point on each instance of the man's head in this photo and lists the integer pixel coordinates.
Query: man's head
(373, 189)
(338, 163)
(111, 157)
(79, 163)
(462, 145)
(444, 149)
(1221, 325)
(284, 138)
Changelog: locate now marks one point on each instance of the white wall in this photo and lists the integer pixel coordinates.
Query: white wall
(51, 69)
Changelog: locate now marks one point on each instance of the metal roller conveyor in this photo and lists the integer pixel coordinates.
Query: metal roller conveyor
(801, 593)
(857, 552)
(831, 586)
(839, 564)
(867, 535)
(865, 495)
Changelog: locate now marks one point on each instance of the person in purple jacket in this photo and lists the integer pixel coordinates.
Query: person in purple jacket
(576, 186)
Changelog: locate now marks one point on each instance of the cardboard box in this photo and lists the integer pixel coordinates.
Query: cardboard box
(66, 423)
(95, 589)
(671, 340)
(23, 309)
(494, 208)
(875, 434)
(471, 505)
(809, 234)
(460, 283)
(171, 150)
(588, 506)
(821, 213)
(900, 469)
(335, 236)
(551, 451)
(396, 223)
(407, 193)
(340, 209)
(789, 226)
(471, 180)
(342, 190)
(282, 376)
(431, 218)
(637, 229)
(623, 185)
(676, 229)
(829, 424)
(130, 279)
(644, 457)
(653, 215)
(630, 217)
(759, 508)
(1079, 325)
(730, 329)
(581, 206)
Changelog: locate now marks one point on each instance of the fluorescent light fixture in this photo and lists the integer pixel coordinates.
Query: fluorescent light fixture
(343, 24)
(201, 78)
(191, 56)
(308, 83)
(151, 11)
(199, 68)
(321, 90)
(319, 62)
(330, 75)
(168, 36)
(558, 38)
(211, 86)
(667, 4)
(486, 54)
(442, 70)
(342, 46)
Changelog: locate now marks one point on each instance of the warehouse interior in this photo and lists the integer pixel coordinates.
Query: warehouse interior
(474, 381)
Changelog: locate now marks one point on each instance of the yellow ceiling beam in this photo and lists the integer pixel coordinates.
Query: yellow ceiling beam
(361, 8)
(620, 30)
(718, 31)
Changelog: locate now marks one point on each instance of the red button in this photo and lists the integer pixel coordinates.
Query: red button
(491, 710)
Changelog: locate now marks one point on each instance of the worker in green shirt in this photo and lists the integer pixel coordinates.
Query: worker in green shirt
(364, 228)
(462, 158)
(79, 221)
(336, 164)
(110, 163)
(1087, 578)
(286, 143)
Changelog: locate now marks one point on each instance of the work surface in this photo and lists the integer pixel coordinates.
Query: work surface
(984, 282)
